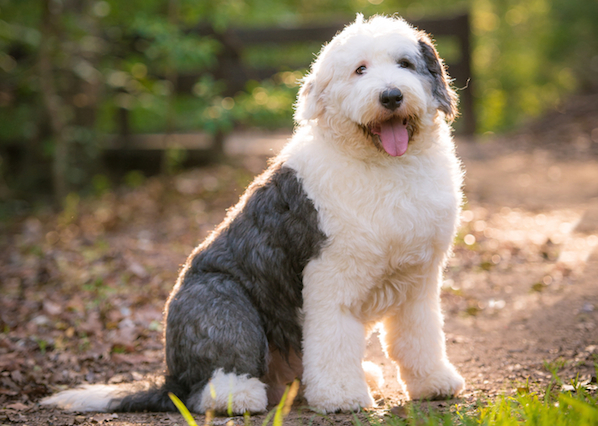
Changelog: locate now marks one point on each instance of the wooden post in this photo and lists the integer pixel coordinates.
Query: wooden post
(52, 102)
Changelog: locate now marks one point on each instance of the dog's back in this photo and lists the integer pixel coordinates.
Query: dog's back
(237, 300)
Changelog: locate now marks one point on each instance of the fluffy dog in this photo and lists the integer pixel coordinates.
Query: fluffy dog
(349, 226)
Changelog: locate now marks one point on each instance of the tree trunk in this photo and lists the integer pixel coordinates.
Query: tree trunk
(53, 102)
(170, 161)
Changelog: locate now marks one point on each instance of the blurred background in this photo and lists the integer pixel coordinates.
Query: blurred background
(94, 92)
(127, 128)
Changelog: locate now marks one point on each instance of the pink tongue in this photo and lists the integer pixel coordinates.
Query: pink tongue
(394, 136)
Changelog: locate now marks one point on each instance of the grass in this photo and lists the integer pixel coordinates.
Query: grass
(577, 406)
(280, 412)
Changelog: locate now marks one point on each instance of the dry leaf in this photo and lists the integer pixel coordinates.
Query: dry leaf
(17, 406)
(103, 417)
(52, 308)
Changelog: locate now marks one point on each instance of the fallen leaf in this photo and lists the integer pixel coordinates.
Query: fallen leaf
(16, 376)
(17, 406)
(76, 304)
(132, 359)
(138, 269)
(103, 417)
(52, 308)
(10, 361)
(123, 336)
(117, 378)
(93, 325)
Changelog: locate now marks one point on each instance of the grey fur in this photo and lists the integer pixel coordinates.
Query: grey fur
(240, 292)
(432, 66)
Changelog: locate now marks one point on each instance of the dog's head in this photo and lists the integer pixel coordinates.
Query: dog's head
(381, 75)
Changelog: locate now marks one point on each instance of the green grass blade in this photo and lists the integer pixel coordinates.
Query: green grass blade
(284, 406)
(268, 417)
(587, 411)
(184, 411)
(278, 416)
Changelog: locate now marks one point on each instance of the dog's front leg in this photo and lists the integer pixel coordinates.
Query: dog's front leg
(333, 345)
(414, 339)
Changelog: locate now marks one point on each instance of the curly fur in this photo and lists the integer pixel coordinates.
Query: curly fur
(338, 234)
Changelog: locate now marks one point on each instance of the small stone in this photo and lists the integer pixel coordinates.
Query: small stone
(400, 411)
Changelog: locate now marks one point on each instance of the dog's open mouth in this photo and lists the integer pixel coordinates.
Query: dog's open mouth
(394, 135)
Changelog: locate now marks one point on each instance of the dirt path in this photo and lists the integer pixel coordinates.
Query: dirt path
(533, 297)
(520, 294)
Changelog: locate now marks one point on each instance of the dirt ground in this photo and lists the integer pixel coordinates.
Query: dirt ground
(82, 292)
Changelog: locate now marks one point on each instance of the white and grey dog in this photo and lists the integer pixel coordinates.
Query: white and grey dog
(350, 226)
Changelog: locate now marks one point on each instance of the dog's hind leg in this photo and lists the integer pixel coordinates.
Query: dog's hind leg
(230, 393)
(216, 345)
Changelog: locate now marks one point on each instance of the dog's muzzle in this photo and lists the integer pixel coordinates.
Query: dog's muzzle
(395, 126)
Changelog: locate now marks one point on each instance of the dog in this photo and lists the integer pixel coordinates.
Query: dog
(350, 226)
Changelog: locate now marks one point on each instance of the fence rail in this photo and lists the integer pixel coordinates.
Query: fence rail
(235, 73)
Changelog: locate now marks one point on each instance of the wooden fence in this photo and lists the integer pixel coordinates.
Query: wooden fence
(139, 149)
(236, 74)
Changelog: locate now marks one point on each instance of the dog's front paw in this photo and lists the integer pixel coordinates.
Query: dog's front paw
(440, 384)
(334, 400)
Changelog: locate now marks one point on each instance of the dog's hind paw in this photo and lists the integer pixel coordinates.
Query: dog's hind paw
(229, 392)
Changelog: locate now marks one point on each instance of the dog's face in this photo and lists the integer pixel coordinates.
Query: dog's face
(384, 77)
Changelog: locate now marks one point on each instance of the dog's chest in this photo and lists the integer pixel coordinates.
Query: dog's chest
(385, 217)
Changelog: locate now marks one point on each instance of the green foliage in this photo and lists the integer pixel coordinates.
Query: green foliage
(578, 407)
(100, 184)
(529, 55)
(575, 408)
(134, 179)
(43, 344)
(104, 57)
(166, 45)
(108, 56)
(553, 408)
(280, 412)
(269, 104)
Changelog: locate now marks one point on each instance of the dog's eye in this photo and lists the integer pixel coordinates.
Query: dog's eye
(360, 70)
(404, 63)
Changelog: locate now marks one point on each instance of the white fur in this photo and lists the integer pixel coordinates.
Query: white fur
(389, 223)
(373, 376)
(389, 220)
(247, 393)
(87, 398)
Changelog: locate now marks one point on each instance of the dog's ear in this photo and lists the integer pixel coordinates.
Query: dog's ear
(308, 106)
(310, 101)
(441, 88)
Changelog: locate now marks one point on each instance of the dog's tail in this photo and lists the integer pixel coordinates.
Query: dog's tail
(126, 397)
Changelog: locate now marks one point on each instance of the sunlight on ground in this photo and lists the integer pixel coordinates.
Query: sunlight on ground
(525, 230)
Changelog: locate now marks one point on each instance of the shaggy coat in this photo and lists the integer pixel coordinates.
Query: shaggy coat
(349, 227)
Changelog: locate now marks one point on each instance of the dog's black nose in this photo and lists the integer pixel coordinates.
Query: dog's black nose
(391, 99)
